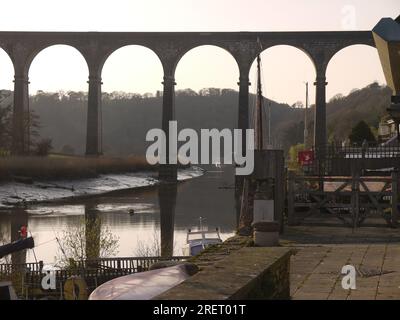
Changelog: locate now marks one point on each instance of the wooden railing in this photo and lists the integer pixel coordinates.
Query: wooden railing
(94, 271)
(338, 160)
(367, 151)
(8, 268)
(128, 264)
(354, 196)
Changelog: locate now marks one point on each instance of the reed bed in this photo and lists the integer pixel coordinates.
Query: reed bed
(65, 167)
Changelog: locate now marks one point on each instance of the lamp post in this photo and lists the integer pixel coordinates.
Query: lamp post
(387, 40)
(305, 118)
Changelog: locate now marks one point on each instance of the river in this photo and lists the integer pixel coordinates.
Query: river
(160, 212)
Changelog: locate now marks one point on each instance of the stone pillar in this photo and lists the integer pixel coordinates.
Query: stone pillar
(320, 138)
(20, 135)
(168, 172)
(243, 123)
(94, 118)
(243, 114)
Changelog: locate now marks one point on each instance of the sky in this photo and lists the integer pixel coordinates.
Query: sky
(137, 69)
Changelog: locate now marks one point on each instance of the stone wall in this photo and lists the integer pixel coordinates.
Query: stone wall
(237, 273)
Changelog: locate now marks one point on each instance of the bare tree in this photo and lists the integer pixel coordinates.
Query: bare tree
(86, 240)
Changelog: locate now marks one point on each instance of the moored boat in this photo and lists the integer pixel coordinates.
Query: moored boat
(197, 241)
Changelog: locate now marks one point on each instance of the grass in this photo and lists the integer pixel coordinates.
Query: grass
(64, 167)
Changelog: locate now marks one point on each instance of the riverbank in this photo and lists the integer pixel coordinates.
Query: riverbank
(18, 193)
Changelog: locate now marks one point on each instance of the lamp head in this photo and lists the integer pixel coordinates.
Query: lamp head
(387, 40)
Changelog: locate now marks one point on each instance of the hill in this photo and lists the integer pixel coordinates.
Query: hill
(128, 117)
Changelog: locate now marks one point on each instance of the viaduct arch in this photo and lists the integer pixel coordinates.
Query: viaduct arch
(96, 47)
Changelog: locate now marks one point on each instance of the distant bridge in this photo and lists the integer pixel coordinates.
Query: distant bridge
(96, 47)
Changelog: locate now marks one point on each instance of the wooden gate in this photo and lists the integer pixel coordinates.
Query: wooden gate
(350, 199)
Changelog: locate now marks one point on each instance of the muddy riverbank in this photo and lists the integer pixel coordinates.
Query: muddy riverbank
(19, 193)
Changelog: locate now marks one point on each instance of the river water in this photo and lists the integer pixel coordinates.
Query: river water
(162, 216)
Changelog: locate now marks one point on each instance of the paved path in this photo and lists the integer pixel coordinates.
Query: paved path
(323, 249)
(316, 271)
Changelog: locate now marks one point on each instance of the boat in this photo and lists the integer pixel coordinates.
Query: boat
(144, 285)
(18, 245)
(197, 241)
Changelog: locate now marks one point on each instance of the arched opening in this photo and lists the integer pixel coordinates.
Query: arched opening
(356, 91)
(353, 67)
(285, 71)
(58, 98)
(207, 98)
(132, 99)
(6, 101)
(206, 90)
(6, 71)
(207, 66)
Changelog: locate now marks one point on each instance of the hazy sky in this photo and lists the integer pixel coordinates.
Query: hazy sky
(137, 69)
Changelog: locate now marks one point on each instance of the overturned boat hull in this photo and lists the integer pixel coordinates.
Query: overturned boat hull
(144, 285)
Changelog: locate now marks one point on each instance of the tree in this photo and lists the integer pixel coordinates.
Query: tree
(210, 92)
(148, 95)
(32, 126)
(225, 92)
(43, 147)
(360, 132)
(86, 240)
(186, 93)
(149, 248)
(5, 127)
(293, 156)
(336, 97)
(293, 135)
(67, 149)
(297, 104)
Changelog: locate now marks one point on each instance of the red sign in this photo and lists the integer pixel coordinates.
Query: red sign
(305, 158)
(23, 232)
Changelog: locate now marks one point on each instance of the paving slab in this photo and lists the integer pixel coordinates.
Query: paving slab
(322, 251)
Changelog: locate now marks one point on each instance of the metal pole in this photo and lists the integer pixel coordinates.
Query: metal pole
(290, 198)
(269, 125)
(395, 190)
(258, 123)
(305, 118)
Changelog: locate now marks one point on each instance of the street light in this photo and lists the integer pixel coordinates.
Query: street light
(387, 40)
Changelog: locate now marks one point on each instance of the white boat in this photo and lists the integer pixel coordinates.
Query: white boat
(197, 241)
(144, 285)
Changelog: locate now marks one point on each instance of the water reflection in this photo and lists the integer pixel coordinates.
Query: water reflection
(167, 193)
(92, 231)
(165, 212)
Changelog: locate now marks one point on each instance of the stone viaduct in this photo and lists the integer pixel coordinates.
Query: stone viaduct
(96, 47)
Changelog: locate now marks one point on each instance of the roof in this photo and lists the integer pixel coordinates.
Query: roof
(388, 29)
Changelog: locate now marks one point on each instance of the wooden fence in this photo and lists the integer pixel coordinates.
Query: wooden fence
(339, 160)
(346, 197)
(95, 272)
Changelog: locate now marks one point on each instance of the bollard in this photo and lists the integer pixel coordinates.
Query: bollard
(266, 233)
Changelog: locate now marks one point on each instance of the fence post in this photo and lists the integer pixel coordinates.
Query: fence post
(395, 182)
(290, 199)
(355, 194)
